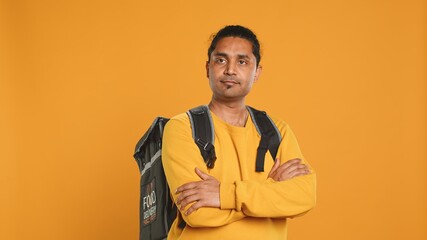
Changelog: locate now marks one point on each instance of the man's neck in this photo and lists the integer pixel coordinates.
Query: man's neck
(233, 113)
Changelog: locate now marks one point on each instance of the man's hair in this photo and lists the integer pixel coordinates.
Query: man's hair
(236, 31)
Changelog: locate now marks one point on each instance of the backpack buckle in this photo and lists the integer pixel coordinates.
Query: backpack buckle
(209, 152)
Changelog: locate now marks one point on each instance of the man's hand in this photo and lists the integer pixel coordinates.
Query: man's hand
(203, 193)
(290, 169)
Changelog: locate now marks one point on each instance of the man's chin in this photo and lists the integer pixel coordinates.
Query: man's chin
(230, 97)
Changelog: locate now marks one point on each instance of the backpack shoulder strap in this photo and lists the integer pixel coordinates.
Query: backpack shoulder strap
(270, 136)
(203, 133)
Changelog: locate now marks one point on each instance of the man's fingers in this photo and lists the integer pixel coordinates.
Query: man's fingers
(191, 185)
(188, 200)
(288, 167)
(295, 166)
(204, 193)
(193, 208)
(301, 168)
(298, 173)
(201, 174)
(291, 162)
(275, 167)
(187, 186)
(185, 194)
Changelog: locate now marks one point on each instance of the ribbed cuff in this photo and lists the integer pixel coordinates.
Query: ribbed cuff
(227, 195)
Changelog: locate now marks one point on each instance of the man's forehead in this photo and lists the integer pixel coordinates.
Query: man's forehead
(233, 46)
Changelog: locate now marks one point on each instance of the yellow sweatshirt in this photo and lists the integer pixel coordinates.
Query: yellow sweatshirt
(253, 206)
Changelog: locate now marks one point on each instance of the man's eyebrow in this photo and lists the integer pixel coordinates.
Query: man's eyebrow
(221, 54)
(243, 56)
(240, 56)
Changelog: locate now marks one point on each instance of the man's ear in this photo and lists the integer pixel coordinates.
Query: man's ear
(207, 69)
(258, 73)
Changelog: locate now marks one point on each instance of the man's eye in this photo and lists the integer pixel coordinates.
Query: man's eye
(242, 62)
(221, 60)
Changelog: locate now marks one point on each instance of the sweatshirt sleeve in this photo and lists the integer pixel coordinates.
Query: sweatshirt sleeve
(180, 156)
(269, 198)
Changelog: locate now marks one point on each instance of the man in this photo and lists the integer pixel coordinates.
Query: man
(232, 200)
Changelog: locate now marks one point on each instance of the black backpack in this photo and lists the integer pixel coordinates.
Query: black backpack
(157, 209)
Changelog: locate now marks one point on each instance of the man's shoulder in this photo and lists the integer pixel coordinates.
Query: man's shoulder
(180, 120)
(182, 117)
(178, 125)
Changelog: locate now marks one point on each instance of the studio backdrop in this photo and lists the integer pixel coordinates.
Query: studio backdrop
(81, 81)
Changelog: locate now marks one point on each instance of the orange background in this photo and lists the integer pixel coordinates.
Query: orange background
(82, 80)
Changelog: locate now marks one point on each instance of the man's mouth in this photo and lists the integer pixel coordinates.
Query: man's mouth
(229, 82)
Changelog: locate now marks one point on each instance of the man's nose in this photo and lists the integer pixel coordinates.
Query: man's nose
(230, 69)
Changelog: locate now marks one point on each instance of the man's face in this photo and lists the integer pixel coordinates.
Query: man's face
(232, 69)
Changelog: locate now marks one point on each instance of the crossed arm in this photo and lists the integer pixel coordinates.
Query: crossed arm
(287, 191)
(206, 192)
